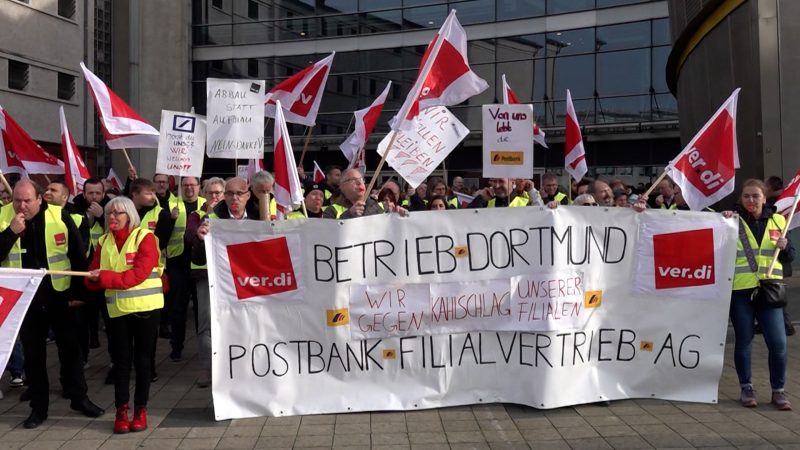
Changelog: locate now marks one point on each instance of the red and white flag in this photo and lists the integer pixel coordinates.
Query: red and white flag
(444, 76)
(301, 93)
(359, 162)
(122, 126)
(365, 122)
(574, 153)
(115, 180)
(17, 288)
(253, 166)
(75, 171)
(509, 98)
(287, 191)
(319, 175)
(785, 201)
(706, 168)
(19, 153)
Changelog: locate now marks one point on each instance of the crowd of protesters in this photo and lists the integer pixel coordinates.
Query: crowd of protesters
(143, 248)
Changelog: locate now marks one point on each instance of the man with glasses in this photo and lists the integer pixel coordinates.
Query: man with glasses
(352, 200)
(234, 206)
(550, 192)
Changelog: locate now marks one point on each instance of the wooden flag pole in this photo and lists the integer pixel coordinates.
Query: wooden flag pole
(305, 211)
(263, 207)
(5, 183)
(68, 272)
(47, 178)
(655, 183)
(305, 145)
(783, 235)
(380, 164)
(128, 158)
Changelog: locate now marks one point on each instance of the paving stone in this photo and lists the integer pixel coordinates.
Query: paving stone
(314, 441)
(233, 432)
(343, 440)
(425, 426)
(588, 444)
(159, 444)
(549, 445)
(245, 442)
(278, 430)
(495, 425)
(388, 427)
(312, 430)
(460, 425)
(616, 431)
(43, 445)
(427, 438)
(570, 433)
(503, 436)
(457, 437)
(198, 443)
(660, 440)
(275, 442)
(87, 444)
(390, 439)
(627, 442)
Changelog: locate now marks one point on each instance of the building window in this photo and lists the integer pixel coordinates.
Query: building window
(252, 9)
(216, 3)
(252, 68)
(18, 74)
(66, 86)
(66, 8)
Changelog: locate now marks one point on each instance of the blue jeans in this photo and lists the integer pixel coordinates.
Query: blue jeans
(16, 360)
(743, 315)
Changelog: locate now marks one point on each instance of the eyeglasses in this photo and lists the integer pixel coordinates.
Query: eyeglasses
(238, 194)
(589, 204)
(116, 213)
(215, 193)
(358, 180)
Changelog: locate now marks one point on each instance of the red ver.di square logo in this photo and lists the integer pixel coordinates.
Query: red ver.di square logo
(684, 259)
(261, 268)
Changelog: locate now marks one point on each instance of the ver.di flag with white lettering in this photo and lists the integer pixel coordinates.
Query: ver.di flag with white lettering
(785, 201)
(706, 168)
(17, 288)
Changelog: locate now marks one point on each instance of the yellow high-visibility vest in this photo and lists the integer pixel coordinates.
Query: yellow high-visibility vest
(201, 213)
(743, 276)
(516, 203)
(175, 244)
(56, 239)
(146, 296)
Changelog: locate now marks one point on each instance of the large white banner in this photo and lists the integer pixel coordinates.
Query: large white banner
(416, 153)
(507, 141)
(235, 118)
(182, 144)
(17, 288)
(524, 305)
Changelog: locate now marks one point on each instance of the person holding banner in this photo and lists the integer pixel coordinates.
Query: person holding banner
(126, 264)
(496, 195)
(759, 235)
(352, 200)
(313, 200)
(550, 192)
(35, 235)
(262, 185)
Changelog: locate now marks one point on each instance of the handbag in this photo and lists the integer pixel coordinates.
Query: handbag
(770, 293)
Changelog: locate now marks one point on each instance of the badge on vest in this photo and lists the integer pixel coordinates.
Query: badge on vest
(129, 257)
(60, 238)
(151, 225)
(774, 235)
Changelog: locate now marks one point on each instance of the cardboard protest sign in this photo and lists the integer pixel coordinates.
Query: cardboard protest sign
(182, 144)
(416, 153)
(235, 118)
(508, 141)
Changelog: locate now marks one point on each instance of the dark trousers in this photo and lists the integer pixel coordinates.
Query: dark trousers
(131, 337)
(34, 331)
(181, 287)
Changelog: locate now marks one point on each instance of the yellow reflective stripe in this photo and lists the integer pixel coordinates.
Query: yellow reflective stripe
(13, 257)
(740, 269)
(136, 293)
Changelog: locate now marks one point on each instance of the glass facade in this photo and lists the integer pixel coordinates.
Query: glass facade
(616, 73)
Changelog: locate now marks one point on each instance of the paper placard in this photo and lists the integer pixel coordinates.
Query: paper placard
(235, 118)
(507, 141)
(182, 144)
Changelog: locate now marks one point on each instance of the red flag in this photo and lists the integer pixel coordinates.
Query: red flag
(122, 126)
(785, 201)
(509, 98)
(574, 153)
(319, 175)
(365, 122)
(75, 171)
(17, 288)
(20, 153)
(301, 93)
(706, 168)
(115, 180)
(444, 77)
(287, 191)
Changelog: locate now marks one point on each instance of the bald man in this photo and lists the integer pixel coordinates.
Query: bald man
(35, 235)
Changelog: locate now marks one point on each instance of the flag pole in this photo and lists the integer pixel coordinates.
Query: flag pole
(416, 90)
(68, 273)
(5, 183)
(128, 158)
(783, 234)
(47, 178)
(305, 145)
(655, 183)
(263, 207)
(303, 204)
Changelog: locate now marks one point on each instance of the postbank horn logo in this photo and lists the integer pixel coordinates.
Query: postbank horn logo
(592, 299)
(675, 267)
(337, 317)
(255, 275)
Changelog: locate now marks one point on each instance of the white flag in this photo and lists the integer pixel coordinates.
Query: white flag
(17, 288)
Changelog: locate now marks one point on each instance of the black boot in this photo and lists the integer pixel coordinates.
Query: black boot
(35, 419)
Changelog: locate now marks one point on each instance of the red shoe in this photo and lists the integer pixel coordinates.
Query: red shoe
(121, 424)
(139, 421)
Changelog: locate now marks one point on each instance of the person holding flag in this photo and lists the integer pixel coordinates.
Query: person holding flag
(759, 235)
(353, 201)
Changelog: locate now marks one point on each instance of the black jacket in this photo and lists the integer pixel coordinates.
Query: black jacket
(222, 212)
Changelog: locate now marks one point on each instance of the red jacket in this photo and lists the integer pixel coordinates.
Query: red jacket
(143, 263)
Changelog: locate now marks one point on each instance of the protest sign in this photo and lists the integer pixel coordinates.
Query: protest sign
(456, 307)
(182, 144)
(235, 118)
(507, 141)
(416, 153)
(17, 288)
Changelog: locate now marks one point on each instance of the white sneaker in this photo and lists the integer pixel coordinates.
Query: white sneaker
(17, 382)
